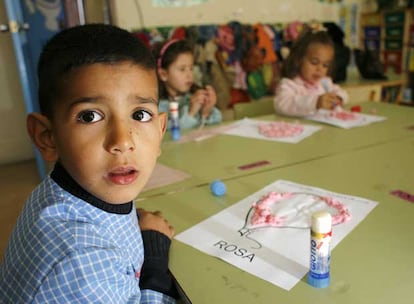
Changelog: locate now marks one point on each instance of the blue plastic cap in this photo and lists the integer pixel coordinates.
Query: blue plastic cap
(319, 283)
(175, 134)
(218, 188)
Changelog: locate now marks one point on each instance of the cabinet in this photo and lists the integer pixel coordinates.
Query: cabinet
(360, 90)
(391, 33)
(395, 40)
(370, 31)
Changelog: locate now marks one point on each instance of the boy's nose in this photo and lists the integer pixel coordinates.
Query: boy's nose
(120, 138)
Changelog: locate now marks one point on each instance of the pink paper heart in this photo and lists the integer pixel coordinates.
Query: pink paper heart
(288, 209)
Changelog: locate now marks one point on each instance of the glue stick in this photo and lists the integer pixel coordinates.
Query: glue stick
(320, 249)
(175, 122)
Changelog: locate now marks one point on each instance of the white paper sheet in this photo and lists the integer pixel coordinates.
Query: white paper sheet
(279, 255)
(163, 176)
(359, 120)
(250, 128)
(205, 133)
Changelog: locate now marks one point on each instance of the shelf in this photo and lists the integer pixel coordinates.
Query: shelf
(391, 33)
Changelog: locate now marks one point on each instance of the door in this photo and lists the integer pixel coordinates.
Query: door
(31, 23)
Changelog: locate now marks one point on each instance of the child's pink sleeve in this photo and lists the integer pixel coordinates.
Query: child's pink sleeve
(340, 92)
(292, 99)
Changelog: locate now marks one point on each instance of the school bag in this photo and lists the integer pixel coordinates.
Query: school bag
(342, 52)
(369, 64)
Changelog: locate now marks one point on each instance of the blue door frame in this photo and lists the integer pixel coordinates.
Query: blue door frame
(22, 23)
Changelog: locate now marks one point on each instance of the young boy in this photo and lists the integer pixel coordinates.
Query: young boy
(78, 239)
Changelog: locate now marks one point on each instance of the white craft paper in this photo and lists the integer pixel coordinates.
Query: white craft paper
(163, 176)
(250, 128)
(279, 255)
(361, 119)
(205, 133)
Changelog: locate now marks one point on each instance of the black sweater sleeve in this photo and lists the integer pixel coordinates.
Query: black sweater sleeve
(154, 272)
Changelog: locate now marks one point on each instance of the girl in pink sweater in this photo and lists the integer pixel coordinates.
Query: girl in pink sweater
(306, 86)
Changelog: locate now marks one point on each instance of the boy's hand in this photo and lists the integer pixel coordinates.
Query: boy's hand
(211, 101)
(328, 101)
(197, 101)
(154, 221)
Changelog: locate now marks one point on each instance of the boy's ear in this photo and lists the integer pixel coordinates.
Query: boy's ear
(163, 127)
(163, 122)
(39, 128)
(162, 74)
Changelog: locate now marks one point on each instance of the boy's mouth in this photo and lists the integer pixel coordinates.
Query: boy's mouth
(123, 176)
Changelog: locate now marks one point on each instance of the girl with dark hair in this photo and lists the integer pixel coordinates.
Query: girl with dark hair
(306, 85)
(175, 62)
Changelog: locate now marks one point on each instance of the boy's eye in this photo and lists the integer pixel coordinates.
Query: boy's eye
(142, 115)
(89, 116)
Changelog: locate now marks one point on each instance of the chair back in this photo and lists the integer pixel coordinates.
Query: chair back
(253, 108)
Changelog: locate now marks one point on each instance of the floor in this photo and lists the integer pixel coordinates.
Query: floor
(16, 182)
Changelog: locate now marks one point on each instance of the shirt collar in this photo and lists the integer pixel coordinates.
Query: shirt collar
(306, 84)
(64, 180)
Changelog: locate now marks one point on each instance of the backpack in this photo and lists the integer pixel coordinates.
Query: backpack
(265, 42)
(369, 64)
(342, 52)
(256, 86)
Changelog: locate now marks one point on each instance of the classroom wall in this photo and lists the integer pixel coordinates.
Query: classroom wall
(14, 142)
(134, 14)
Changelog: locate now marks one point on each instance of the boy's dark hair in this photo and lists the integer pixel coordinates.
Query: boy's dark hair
(291, 66)
(166, 53)
(85, 45)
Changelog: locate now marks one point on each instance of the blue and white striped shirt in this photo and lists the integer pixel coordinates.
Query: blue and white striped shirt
(66, 250)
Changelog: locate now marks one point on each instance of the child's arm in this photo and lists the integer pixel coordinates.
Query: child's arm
(215, 117)
(342, 94)
(197, 101)
(188, 121)
(329, 101)
(96, 271)
(209, 102)
(333, 97)
(154, 221)
(155, 279)
(210, 113)
(293, 100)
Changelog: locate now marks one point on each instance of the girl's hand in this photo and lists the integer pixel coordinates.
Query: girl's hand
(328, 101)
(210, 101)
(197, 100)
(154, 221)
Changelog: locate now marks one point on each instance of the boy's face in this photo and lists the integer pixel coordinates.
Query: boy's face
(106, 129)
(179, 76)
(316, 63)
